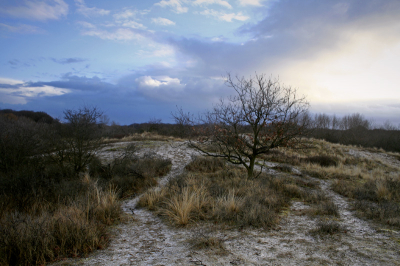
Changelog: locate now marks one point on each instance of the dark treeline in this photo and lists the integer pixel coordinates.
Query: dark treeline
(352, 129)
(355, 129)
(35, 116)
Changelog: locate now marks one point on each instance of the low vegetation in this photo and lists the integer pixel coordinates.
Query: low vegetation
(56, 202)
(211, 191)
(56, 197)
(46, 215)
(372, 182)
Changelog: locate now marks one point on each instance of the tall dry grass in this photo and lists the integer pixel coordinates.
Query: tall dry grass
(47, 232)
(224, 195)
(47, 214)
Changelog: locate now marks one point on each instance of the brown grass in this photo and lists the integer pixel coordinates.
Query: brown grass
(373, 182)
(145, 136)
(224, 196)
(48, 214)
(376, 199)
(73, 229)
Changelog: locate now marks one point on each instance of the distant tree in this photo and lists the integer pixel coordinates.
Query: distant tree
(183, 122)
(262, 116)
(335, 122)
(154, 125)
(322, 121)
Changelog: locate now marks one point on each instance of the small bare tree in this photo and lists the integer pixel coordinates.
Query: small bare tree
(263, 115)
(77, 140)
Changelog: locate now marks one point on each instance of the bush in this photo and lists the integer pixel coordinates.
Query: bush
(328, 227)
(323, 160)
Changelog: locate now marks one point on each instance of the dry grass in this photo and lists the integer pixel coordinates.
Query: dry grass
(376, 199)
(224, 196)
(206, 165)
(372, 181)
(49, 214)
(74, 228)
(149, 136)
(151, 198)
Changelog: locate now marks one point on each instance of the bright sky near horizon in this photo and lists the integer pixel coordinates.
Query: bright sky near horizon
(138, 60)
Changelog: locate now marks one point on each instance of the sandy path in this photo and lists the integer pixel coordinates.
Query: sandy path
(147, 240)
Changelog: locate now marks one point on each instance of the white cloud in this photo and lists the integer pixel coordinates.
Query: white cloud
(158, 50)
(225, 16)
(124, 19)
(148, 81)
(10, 81)
(210, 2)
(86, 24)
(133, 24)
(128, 13)
(21, 28)
(90, 11)
(250, 2)
(162, 88)
(38, 10)
(19, 93)
(121, 34)
(176, 5)
(162, 21)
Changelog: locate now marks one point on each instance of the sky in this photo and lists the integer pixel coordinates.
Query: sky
(141, 60)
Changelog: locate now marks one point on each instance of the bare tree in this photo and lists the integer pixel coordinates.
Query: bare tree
(77, 140)
(335, 122)
(184, 121)
(263, 115)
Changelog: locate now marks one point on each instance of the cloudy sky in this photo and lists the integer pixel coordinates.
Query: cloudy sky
(138, 60)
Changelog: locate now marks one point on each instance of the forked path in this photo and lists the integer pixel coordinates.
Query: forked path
(147, 240)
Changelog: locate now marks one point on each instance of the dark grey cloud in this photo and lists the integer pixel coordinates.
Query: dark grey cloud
(10, 86)
(70, 60)
(73, 82)
(15, 63)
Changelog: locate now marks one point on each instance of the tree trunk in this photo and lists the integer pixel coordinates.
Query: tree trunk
(250, 169)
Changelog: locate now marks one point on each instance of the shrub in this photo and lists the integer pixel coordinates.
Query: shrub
(328, 227)
(323, 160)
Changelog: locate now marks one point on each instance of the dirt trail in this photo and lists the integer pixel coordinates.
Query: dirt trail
(147, 240)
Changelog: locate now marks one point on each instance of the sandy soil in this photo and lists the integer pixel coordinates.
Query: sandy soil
(147, 240)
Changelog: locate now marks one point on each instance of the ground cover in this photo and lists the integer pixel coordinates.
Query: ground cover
(318, 226)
